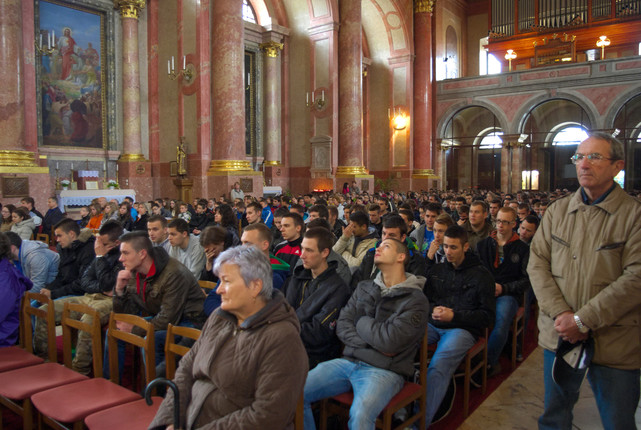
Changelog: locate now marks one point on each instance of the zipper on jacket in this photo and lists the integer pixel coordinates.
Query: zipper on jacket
(328, 316)
(302, 296)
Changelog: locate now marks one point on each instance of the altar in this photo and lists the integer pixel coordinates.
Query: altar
(76, 198)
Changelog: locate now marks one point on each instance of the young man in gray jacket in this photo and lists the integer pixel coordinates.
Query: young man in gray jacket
(381, 327)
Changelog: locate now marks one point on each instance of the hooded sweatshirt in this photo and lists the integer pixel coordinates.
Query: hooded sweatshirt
(12, 288)
(38, 263)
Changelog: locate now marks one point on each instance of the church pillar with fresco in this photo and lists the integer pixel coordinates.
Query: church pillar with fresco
(20, 171)
(350, 98)
(229, 163)
(134, 169)
(423, 166)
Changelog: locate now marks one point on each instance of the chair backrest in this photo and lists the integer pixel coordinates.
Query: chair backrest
(93, 328)
(146, 343)
(49, 317)
(173, 349)
(423, 361)
(207, 286)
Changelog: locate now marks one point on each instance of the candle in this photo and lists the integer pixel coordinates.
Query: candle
(56, 165)
(168, 67)
(41, 39)
(173, 66)
(323, 95)
(53, 37)
(104, 165)
(184, 62)
(116, 167)
(71, 166)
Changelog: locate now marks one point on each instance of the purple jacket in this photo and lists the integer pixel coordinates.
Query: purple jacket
(12, 287)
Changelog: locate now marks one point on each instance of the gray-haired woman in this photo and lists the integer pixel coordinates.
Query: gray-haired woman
(248, 368)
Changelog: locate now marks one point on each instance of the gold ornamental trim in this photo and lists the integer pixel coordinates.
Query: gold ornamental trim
(424, 6)
(131, 158)
(11, 158)
(351, 170)
(423, 174)
(271, 48)
(231, 168)
(129, 8)
(272, 163)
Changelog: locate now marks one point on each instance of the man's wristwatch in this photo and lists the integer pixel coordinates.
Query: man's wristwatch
(579, 324)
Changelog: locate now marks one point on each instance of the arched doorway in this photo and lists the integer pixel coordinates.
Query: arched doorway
(472, 149)
(553, 129)
(627, 124)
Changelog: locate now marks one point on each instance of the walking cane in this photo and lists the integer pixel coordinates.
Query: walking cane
(174, 388)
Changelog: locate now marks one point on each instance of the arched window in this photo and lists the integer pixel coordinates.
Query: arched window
(572, 135)
(492, 140)
(248, 12)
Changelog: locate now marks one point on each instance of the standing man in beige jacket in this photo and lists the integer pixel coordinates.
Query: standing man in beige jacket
(585, 268)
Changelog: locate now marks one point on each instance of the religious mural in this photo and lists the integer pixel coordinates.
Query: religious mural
(70, 43)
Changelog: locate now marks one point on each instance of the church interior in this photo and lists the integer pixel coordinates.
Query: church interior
(184, 98)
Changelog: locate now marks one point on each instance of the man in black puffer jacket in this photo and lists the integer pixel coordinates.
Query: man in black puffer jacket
(461, 296)
(381, 327)
(317, 293)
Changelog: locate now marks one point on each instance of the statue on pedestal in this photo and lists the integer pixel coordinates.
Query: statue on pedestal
(181, 154)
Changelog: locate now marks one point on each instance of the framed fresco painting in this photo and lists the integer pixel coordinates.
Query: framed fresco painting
(72, 75)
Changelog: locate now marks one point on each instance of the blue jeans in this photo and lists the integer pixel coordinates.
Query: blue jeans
(506, 307)
(453, 344)
(373, 389)
(616, 393)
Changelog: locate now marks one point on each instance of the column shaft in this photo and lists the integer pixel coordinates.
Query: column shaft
(272, 110)
(350, 98)
(422, 93)
(132, 147)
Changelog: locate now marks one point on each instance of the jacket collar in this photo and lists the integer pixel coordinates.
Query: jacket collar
(610, 203)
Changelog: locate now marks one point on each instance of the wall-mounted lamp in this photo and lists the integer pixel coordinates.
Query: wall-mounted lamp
(317, 103)
(511, 55)
(187, 73)
(602, 43)
(398, 119)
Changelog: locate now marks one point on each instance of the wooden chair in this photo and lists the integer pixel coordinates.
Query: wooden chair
(467, 370)
(138, 415)
(43, 238)
(518, 332)
(299, 418)
(207, 286)
(74, 402)
(17, 386)
(410, 393)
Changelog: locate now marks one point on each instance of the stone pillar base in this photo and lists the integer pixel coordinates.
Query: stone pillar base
(19, 182)
(364, 181)
(136, 175)
(185, 188)
(276, 175)
(423, 179)
(251, 185)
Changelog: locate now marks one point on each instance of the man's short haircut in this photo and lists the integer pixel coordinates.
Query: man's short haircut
(509, 210)
(203, 203)
(358, 208)
(54, 198)
(480, 203)
(5, 247)
(179, 224)
(460, 199)
(617, 151)
(138, 241)
(239, 204)
(322, 236)
(321, 210)
(298, 221)
(374, 208)
(464, 209)
(213, 235)
(402, 248)
(158, 218)
(113, 229)
(496, 202)
(434, 207)
(532, 219)
(252, 264)
(359, 218)
(264, 233)
(408, 213)
(524, 206)
(257, 207)
(444, 219)
(67, 225)
(280, 212)
(29, 200)
(130, 199)
(14, 238)
(22, 212)
(457, 232)
(319, 222)
(395, 221)
(333, 210)
(298, 208)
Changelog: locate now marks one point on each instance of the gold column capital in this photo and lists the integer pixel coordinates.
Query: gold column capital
(271, 48)
(132, 158)
(129, 8)
(421, 6)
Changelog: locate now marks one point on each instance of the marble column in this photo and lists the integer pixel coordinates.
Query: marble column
(134, 171)
(423, 96)
(11, 76)
(272, 106)
(228, 100)
(15, 158)
(350, 92)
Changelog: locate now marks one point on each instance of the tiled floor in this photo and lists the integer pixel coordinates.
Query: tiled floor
(518, 402)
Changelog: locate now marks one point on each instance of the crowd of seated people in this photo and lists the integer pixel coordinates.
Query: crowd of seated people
(364, 274)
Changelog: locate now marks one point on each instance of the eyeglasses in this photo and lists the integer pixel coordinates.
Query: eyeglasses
(593, 158)
(504, 221)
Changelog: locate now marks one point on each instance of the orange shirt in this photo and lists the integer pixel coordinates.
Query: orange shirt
(94, 222)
